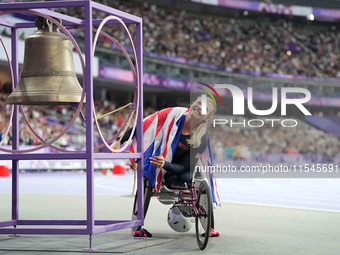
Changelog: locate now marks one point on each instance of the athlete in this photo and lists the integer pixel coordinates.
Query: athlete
(189, 138)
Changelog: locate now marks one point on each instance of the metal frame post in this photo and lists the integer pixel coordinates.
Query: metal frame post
(140, 184)
(15, 129)
(89, 117)
(92, 226)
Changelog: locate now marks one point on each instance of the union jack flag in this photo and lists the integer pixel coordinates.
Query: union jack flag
(162, 131)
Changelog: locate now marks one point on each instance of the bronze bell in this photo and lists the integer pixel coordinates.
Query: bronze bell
(48, 75)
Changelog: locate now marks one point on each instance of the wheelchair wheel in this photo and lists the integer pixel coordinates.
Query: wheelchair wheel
(204, 218)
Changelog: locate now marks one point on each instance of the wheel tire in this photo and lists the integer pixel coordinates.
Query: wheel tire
(204, 220)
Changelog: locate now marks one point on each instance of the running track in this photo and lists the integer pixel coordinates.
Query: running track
(319, 194)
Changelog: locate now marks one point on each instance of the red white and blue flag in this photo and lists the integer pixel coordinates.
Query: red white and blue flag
(162, 131)
(206, 160)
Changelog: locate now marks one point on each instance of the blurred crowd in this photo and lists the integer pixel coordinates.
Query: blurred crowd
(258, 46)
(49, 121)
(245, 142)
(39, 118)
(249, 45)
(228, 142)
(262, 46)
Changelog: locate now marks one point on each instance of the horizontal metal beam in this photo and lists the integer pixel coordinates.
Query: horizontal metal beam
(34, 156)
(32, 24)
(7, 23)
(81, 155)
(106, 226)
(41, 5)
(117, 226)
(117, 155)
(8, 223)
(46, 231)
(66, 222)
(115, 12)
(51, 222)
(96, 22)
(79, 23)
(57, 15)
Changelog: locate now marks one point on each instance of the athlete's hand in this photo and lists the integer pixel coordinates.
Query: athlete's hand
(157, 161)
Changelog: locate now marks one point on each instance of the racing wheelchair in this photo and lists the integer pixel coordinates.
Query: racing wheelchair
(192, 202)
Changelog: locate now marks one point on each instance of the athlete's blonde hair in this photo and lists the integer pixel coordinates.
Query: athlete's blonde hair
(199, 131)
